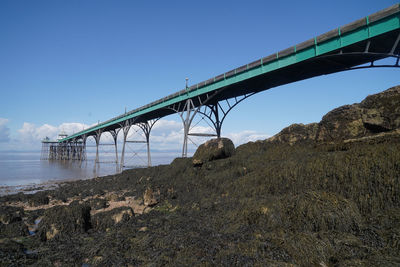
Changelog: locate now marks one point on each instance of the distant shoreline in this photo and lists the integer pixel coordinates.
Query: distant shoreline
(32, 188)
(36, 187)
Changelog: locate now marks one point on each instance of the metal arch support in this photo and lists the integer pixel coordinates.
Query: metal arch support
(395, 45)
(212, 112)
(187, 118)
(146, 128)
(97, 138)
(126, 126)
(189, 111)
(114, 134)
(83, 152)
(367, 52)
(372, 64)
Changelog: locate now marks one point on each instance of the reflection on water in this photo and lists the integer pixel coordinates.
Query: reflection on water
(27, 168)
(36, 171)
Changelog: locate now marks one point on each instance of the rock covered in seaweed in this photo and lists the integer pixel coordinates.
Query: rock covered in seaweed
(39, 199)
(381, 112)
(295, 133)
(341, 123)
(378, 113)
(213, 149)
(9, 214)
(150, 197)
(105, 220)
(65, 220)
(11, 224)
(15, 229)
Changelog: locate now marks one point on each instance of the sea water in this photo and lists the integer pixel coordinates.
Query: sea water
(26, 168)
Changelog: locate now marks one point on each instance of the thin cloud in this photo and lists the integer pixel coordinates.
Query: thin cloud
(4, 131)
(246, 136)
(30, 135)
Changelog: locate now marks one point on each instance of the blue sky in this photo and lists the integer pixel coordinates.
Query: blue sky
(69, 64)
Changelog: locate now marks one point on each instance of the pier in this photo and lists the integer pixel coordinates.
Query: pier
(358, 45)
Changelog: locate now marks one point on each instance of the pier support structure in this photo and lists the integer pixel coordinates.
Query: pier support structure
(146, 128)
(361, 44)
(215, 111)
(187, 114)
(97, 137)
(114, 134)
(126, 126)
(53, 150)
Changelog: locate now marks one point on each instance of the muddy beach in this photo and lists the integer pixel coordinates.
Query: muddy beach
(323, 194)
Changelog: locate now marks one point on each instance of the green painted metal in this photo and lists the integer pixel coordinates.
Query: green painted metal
(341, 40)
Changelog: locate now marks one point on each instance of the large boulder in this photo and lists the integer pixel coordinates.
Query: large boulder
(9, 214)
(98, 203)
(38, 199)
(11, 223)
(62, 221)
(296, 133)
(341, 123)
(376, 114)
(381, 112)
(107, 219)
(213, 149)
(151, 198)
(15, 229)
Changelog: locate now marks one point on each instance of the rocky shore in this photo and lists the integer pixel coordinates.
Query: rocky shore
(323, 194)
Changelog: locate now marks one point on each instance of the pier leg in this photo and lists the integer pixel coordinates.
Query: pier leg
(45, 155)
(217, 112)
(116, 150)
(66, 151)
(84, 157)
(114, 134)
(146, 128)
(187, 121)
(75, 150)
(148, 151)
(97, 153)
(125, 130)
(187, 113)
(58, 152)
(70, 150)
(82, 150)
(51, 153)
(97, 138)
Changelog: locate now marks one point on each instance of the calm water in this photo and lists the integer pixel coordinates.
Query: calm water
(26, 168)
